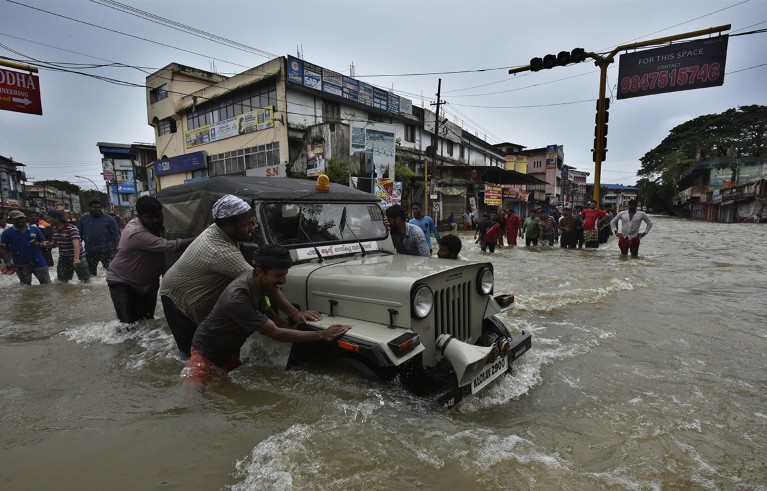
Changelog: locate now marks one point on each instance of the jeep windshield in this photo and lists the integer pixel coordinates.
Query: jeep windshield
(312, 224)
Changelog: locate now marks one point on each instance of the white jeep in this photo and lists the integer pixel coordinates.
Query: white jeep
(432, 323)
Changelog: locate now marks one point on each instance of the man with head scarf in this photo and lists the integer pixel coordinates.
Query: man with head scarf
(193, 284)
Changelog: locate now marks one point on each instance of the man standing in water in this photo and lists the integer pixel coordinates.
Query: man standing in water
(629, 236)
(45, 227)
(101, 235)
(425, 223)
(193, 284)
(240, 311)
(26, 256)
(71, 251)
(134, 273)
(592, 217)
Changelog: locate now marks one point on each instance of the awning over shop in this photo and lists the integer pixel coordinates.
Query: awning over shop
(497, 175)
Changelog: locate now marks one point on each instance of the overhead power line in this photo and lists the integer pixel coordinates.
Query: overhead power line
(125, 33)
(183, 27)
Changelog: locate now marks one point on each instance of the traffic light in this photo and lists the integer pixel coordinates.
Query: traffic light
(577, 55)
(594, 155)
(606, 115)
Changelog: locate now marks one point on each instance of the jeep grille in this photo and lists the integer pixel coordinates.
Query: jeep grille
(452, 311)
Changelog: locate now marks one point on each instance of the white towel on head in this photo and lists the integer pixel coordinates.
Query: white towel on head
(230, 206)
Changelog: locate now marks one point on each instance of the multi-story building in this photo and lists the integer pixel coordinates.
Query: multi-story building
(11, 179)
(724, 189)
(125, 172)
(546, 165)
(578, 187)
(41, 198)
(289, 114)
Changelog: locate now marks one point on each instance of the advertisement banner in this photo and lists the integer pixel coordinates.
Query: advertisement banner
(380, 98)
(295, 70)
(751, 172)
(312, 76)
(126, 188)
(405, 106)
(249, 122)
(366, 94)
(325, 80)
(332, 82)
(492, 195)
(20, 92)
(351, 89)
(393, 103)
(683, 66)
(315, 159)
(181, 163)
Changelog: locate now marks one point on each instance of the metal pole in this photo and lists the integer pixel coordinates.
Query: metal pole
(600, 129)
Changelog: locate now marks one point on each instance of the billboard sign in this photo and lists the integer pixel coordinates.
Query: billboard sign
(318, 78)
(126, 188)
(684, 66)
(181, 163)
(20, 92)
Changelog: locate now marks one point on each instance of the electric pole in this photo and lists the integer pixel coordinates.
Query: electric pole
(434, 145)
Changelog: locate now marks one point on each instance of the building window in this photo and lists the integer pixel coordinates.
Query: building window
(449, 147)
(537, 164)
(410, 133)
(463, 152)
(331, 111)
(239, 161)
(158, 94)
(233, 105)
(166, 126)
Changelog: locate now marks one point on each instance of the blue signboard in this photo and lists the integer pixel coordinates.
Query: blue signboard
(295, 70)
(182, 163)
(126, 188)
(318, 78)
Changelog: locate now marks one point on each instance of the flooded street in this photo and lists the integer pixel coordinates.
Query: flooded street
(644, 374)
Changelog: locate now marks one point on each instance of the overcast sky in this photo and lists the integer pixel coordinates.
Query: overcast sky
(401, 38)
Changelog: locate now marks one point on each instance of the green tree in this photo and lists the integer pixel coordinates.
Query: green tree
(60, 185)
(740, 132)
(338, 171)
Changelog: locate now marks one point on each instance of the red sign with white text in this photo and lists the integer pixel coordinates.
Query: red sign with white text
(683, 66)
(20, 92)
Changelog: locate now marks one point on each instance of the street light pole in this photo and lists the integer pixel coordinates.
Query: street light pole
(94, 184)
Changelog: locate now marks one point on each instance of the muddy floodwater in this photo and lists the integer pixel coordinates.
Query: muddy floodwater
(644, 374)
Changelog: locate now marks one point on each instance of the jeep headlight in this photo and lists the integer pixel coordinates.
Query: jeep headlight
(485, 279)
(422, 302)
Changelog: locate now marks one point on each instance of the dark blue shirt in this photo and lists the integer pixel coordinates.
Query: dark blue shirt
(22, 253)
(99, 233)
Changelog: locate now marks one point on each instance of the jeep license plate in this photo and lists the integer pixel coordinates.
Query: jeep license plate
(490, 373)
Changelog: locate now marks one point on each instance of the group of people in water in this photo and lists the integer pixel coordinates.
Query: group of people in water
(582, 227)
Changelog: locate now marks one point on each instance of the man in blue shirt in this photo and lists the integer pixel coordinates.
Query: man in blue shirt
(425, 223)
(101, 235)
(25, 243)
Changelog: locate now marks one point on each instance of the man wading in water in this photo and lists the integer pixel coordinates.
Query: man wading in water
(631, 220)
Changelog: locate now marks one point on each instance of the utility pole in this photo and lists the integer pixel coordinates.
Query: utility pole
(603, 62)
(434, 146)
